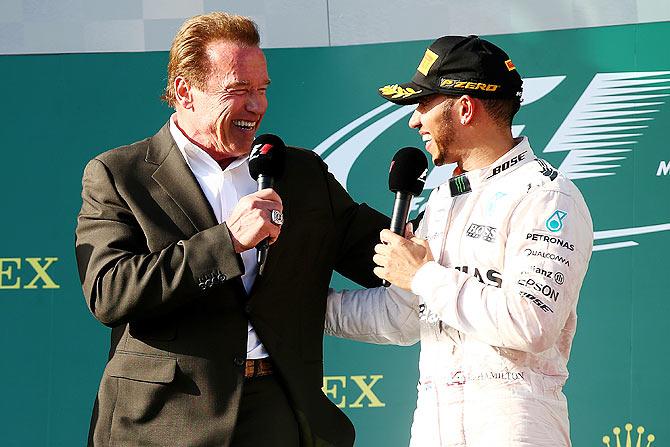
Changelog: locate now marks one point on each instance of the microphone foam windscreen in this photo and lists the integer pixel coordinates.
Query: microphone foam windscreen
(408, 172)
(266, 156)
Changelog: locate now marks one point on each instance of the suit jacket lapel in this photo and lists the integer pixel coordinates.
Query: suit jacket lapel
(176, 178)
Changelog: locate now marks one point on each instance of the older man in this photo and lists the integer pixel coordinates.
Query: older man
(490, 282)
(204, 351)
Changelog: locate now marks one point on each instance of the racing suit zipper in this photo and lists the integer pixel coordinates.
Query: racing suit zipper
(441, 260)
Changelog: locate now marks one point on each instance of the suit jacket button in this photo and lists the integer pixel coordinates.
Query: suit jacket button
(239, 362)
(247, 308)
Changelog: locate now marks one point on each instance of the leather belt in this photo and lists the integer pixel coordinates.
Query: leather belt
(257, 368)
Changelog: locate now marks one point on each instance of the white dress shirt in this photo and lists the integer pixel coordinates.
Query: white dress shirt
(223, 189)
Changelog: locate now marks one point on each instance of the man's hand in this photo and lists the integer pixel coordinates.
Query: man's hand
(250, 221)
(399, 258)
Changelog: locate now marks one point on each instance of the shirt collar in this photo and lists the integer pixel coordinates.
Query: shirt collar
(192, 153)
(510, 161)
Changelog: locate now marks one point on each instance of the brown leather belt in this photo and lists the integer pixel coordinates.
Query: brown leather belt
(257, 368)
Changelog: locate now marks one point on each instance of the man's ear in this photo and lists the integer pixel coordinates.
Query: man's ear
(183, 93)
(466, 107)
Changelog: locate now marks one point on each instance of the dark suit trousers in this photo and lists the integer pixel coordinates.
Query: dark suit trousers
(265, 417)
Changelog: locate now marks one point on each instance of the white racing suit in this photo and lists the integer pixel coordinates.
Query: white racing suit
(495, 311)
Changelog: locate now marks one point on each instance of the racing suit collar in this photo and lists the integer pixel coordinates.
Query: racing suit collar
(513, 159)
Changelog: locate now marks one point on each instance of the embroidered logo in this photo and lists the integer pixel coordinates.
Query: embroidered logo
(555, 221)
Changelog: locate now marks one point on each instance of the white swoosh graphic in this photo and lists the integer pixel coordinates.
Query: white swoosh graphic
(596, 133)
(608, 234)
(341, 160)
(325, 144)
(537, 88)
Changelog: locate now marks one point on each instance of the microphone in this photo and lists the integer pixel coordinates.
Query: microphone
(266, 161)
(407, 178)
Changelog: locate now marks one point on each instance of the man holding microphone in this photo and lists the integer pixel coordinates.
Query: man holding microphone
(205, 350)
(491, 280)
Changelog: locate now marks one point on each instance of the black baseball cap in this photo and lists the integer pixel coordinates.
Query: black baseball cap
(458, 65)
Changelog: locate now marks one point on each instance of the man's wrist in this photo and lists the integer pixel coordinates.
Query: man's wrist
(237, 246)
(423, 280)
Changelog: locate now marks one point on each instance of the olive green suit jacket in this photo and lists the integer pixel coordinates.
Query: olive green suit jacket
(159, 270)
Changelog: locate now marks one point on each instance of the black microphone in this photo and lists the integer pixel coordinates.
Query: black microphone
(407, 178)
(266, 161)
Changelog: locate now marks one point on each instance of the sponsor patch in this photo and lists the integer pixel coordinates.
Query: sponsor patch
(507, 164)
(538, 302)
(551, 239)
(547, 170)
(494, 277)
(460, 378)
(484, 232)
(395, 91)
(558, 277)
(544, 254)
(544, 289)
(467, 85)
(555, 222)
(459, 185)
(427, 316)
(428, 60)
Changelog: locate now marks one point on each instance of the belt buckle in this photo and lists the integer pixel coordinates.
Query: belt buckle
(257, 368)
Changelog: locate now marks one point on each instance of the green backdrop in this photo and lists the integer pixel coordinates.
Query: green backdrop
(61, 110)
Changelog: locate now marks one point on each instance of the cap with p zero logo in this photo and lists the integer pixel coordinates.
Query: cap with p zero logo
(457, 65)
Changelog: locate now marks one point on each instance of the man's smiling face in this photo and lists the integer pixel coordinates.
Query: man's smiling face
(435, 123)
(229, 109)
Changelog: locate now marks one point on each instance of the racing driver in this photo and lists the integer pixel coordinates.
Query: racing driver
(491, 280)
